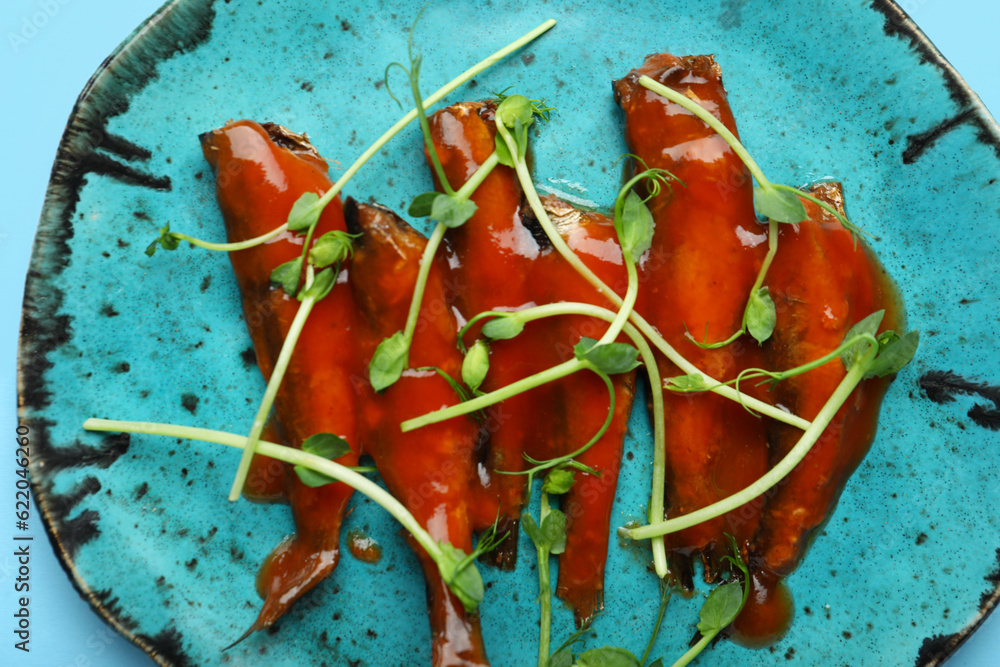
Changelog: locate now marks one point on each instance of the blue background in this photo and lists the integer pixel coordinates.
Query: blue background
(40, 79)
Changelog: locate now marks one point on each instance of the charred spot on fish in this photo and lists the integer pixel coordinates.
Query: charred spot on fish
(921, 538)
(191, 564)
(206, 282)
(307, 86)
(528, 58)
(108, 310)
(293, 141)
(123, 367)
(530, 222)
(141, 490)
(345, 25)
(168, 646)
(189, 402)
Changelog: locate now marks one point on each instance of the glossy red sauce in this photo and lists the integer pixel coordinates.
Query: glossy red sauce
(707, 249)
(499, 265)
(261, 171)
(431, 469)
(364, 547)
(822, 283)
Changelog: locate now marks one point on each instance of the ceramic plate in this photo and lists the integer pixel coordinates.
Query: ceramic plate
(904, 571)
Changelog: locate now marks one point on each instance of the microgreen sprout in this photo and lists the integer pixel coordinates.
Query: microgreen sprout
(456, 567)
(450, 209)
(549, 537)
(864, 355)
(666, 592)
(723, 605)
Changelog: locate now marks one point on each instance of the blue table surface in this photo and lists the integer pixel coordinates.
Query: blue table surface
(40, 79)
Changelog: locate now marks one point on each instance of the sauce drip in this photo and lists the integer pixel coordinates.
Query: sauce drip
(363, 547)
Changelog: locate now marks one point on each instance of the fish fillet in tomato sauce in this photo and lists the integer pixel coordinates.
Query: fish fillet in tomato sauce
(261, 171)
(502, 264)
(822, 283)
(491, 257)
(706, 252)
(431, 469)
(580, 402)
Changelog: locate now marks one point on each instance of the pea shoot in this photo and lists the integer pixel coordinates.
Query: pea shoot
(314, 467)
(723, 605)
(864, 356)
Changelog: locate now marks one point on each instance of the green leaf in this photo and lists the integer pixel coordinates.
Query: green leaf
(531, 529)
(894, 356)
(515, 108)
(304, 213)
(332, 247)
(475, 365)
(503, 153)
(635, 228)
(311, 478)
(609, 358)
(461, 575)
(287, 275)
(760, 316)
(423, 204)
(389, 361)
(868, 325)
(563, 658)
(327, 445)
(503, 327)
(553, 531)
(607, 656)
(687, 383)
(321, 285)
(452, 212)
(778, 205)
(657, 663)
(165, 239)
(558, 481)
(721, 608)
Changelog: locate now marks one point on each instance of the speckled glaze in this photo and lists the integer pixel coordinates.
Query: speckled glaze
(903, 572)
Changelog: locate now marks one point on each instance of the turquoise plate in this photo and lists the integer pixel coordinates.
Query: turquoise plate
(905, 570)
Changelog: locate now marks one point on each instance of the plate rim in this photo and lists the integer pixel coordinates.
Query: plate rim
(62, 194)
